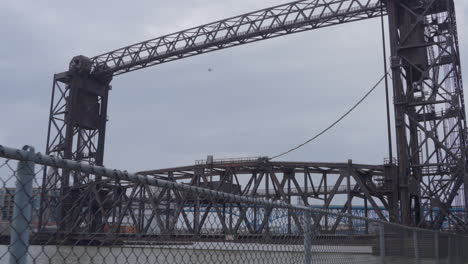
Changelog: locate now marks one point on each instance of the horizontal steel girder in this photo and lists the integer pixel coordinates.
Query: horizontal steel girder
(267, 23)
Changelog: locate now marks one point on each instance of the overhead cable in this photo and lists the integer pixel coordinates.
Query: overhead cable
(334, 123)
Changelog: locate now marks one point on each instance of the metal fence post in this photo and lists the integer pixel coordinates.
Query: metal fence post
(382, 242)
(416, 247)
(436, 247)
(308, 237)
(19, 233)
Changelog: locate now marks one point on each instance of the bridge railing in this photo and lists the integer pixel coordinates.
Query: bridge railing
(62, 211)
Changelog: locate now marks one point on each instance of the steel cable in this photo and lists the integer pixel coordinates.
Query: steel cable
(334, 123)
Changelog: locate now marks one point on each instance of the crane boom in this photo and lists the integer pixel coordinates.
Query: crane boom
(267, 23)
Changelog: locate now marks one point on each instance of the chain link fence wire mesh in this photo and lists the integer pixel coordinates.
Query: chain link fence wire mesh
(59, 211)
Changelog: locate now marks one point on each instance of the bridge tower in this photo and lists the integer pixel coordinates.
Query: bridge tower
(429, 109)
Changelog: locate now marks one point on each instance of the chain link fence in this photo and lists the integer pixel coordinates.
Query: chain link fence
(59, 211)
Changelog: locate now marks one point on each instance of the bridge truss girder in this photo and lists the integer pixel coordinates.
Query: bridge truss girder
(284, 181)
(107, 205)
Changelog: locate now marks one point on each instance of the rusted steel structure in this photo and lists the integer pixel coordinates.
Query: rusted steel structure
(429, 108)
(306, 182)
(419, 189)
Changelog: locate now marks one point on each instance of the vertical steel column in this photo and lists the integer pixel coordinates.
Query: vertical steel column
(382, 242)
(348, 193)
(255, 207)
(19, 233)
(199, 173)
(366, 214)
(308, 237)
(325, 185)
(400, 129)
(289, 175)
(436, 247)
(267, 188)
(169, 219)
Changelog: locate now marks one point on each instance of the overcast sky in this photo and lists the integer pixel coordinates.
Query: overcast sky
(260, 98)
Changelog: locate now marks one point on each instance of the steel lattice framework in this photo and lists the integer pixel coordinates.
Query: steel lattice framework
(429, 108)
(268, 23)
(428, 100)
(308, 182)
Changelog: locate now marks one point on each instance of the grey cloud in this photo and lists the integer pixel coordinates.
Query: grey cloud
(260, 99)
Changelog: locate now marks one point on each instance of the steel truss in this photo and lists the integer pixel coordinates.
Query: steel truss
(107, 205)
(268, 23)
(309, 183)
(78, 112)
(428, 98)
(429, 109)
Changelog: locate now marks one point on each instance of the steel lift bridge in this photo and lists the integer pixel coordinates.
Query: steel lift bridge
(418, 189)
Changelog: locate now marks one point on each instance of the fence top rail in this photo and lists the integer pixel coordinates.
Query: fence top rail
(52, 161)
